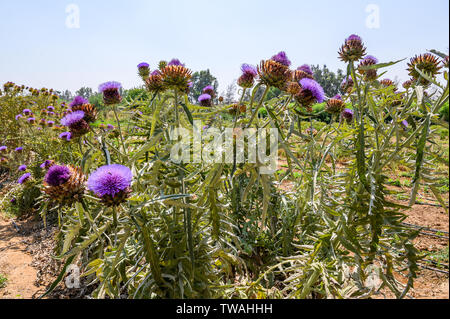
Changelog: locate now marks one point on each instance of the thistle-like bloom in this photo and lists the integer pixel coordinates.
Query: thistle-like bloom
(347, 84)
(65, 136)
(3, 160)
(51, 108)
(335, 106)
(176, 76)
(3, 149)
(76, 123)
(337, 96)
(302, 72)
(110, 92)
(154, 82)
(47, 164)
(426, 63)
(27, 112)
(247, 79)
(31, 120)
(275, 73)
(18, 117)
(110, 127)
(387, 83)
(347, 114)
(205, 100)
(175, 62)
(353, 49)
(24, 178)
(50, 123)
(445, 61)
(64, 184)
(19, 149)
(209, 90)
(78, 100)
(111, 183)
(90, 111)
(144, 69)
(314, 88)
(369, 75)
(407, 84)
(282, 58)
(22, 168)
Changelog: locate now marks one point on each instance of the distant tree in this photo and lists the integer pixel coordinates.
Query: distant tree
(229, 94)
(84, 92)
(200, 80)
(96, 99)
(329, 80)
(65, 95)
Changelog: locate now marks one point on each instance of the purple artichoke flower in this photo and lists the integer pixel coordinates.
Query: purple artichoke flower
(337, 97)
(57, 175)
(282, 58)
(27, 111)
(19, 149)
(31, 120)
(143, 65)
(111, 183)
(3, 149)
(78, 100)
(110, 127)
(249, 70)
(370, 59)
(111, 94)
(313, 87)
(50, 108)
(18, 116)
(175, 62)
(72, 118)
(13, 200)
(65, 135)
(347, 114)
(24, 178)
(22, 168)
(204, 100)
(305, 68)
(112, 85)
(353, 37)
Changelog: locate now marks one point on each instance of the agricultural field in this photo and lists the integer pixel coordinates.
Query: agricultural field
(150, 194)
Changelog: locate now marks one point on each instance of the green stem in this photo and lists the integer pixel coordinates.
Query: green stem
(120, 129)
(259, 105)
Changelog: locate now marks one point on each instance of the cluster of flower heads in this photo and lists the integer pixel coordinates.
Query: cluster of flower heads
(66, 184)
(172, 75)
(14, 156)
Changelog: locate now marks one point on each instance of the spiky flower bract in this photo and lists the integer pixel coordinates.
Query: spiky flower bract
(209, 90)
(275, 72)
(47, 164)
(111, 183)
(90, 111)
(369, 74)
(176, 76)
(154, 82)
(334, 106)
(111, 94)
(22, 168)
(353, 49)
(426, 63)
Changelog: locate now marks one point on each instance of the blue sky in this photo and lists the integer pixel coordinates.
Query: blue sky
(38, 49)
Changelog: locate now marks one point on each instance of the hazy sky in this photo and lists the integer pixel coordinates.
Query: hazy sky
(38, 48)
